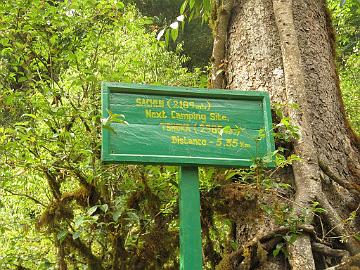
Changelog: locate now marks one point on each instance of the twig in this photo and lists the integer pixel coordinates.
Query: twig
(23, 195)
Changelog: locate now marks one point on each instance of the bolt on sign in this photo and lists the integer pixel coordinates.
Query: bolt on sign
(184, 126)
(189, 127)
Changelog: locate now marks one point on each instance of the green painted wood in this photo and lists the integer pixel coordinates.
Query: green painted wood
(190, 228)
(185, 126)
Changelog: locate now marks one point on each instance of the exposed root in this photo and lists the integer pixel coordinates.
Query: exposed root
(328, 251)
(306, 171)
(338, 226)
(256, 250)
(351, 263)
(353, 187)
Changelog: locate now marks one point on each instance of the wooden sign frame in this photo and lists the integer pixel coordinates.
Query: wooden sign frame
(145, 124)
(148, 106)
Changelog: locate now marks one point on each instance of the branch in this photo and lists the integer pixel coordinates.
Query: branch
(220, 37)
(94, 262)
(53, 184)
(23, 195)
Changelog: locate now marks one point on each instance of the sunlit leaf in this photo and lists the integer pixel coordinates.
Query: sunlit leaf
(104, 207)
(174, 25)
(92, 210)
(61, 236)
(174, 34)
(180, 18)
(160, 34)
(76, 235)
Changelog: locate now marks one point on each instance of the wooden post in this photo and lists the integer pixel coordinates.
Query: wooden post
(190, 228)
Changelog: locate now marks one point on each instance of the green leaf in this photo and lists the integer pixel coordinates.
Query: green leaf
(174, 34)
(120, 5)
(357, 237)
(183, 7)
(291, 238)
(167, 37)
(76, 235)
(22, 79)
(117, 214)
(104, 207)
(206, 6)
(61, 236)
(192, 14)
(160, 34)
(147, 21)
(230, 174)
(278, 248)
(92, 210)
(79, 221)
(29, 115)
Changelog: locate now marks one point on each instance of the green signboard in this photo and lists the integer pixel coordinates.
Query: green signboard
(187, 127)
(184, 126)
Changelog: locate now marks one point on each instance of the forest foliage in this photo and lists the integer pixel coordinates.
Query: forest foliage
(346, 21)
(58, 204)
(53, 58)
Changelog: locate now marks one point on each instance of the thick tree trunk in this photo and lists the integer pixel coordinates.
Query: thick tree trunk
(286, 47)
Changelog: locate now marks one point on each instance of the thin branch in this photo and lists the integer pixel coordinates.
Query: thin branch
(94, 261)
(220, 37)
(23, 195)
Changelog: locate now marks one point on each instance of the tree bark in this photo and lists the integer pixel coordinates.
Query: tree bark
(306, 171)
(286, 47)
(119, 253)
(61, 262)
(223, 12)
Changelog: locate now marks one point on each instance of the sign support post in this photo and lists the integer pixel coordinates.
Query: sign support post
(190, 227)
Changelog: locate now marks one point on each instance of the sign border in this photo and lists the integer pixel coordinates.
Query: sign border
(110, 87)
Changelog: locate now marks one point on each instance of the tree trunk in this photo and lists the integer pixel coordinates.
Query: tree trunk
(61, 262)
(286, 47)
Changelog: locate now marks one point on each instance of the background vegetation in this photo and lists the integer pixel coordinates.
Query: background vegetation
(59, 206)
(346, 21)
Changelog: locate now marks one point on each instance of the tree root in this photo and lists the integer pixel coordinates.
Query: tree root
(337, 224)
(350, 263)
(354, 188)
(255, 251)
(328, 251)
